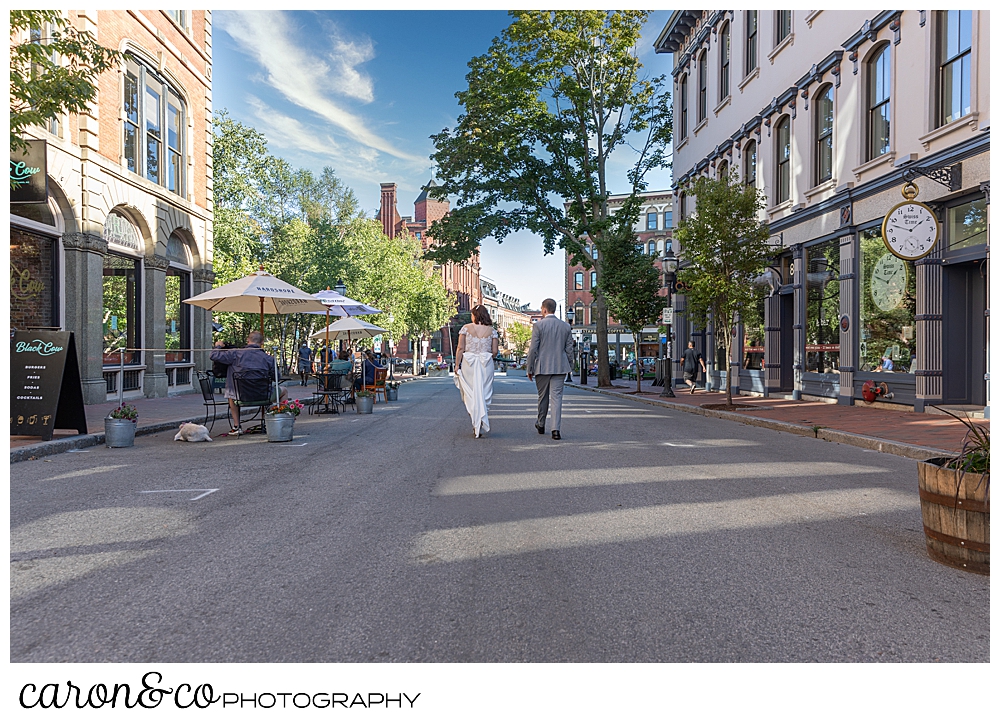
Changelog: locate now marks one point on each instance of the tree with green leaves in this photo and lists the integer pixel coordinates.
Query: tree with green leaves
(520, 337)
(723, 248)
(631, 285)
(546, 108)
(53, 69)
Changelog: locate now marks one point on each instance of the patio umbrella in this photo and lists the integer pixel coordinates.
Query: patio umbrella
(340, 305)
(261, 292)
(350, 328)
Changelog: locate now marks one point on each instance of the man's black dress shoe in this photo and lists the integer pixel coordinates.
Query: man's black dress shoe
(555, 434)
(541, 430)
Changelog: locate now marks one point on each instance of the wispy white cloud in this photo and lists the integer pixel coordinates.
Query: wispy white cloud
(310, 80)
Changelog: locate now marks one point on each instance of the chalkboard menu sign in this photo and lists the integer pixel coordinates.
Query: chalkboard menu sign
(45, 390)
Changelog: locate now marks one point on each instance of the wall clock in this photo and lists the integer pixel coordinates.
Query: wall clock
(910, 229)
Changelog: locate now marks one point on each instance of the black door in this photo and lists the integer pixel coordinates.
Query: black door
(787, 340)
(964, 332)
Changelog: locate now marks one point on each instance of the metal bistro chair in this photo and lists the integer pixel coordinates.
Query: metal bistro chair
(206, 380)
(254, 390)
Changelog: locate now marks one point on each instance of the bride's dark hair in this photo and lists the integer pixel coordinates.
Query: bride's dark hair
(481, 316)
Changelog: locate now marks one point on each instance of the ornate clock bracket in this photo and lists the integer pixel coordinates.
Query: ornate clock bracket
(949, 176)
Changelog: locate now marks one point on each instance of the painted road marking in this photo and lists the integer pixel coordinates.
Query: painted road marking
(204, 491)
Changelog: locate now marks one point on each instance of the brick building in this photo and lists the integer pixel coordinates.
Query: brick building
(121, 231)
(653, 231)
(460, 279)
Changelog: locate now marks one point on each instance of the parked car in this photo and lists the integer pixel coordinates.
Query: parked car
(401, 365)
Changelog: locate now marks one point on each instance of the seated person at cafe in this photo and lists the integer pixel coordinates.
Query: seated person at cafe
(252, 357)
(323, 357)
(369, 370)
(342, 364)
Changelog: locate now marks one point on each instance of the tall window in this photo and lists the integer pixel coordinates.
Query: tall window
(43, 36)
(783, 165)
(668, 219)
(578, 281)
(824, 134)
(955, 61)
(750, 164)
(652, 248)
(578, 319)
(684, 107)
(121, 296)
(782, 25)
(179, 16)
(751, 46)
(823, 307)
(887, 327)
(724, 63)
(723, 172)
(878, 72)
(593, 280)
(702, 86)
(651, 221)
(153, 127)
(177, 333)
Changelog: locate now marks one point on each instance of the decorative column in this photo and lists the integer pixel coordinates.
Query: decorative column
(84, 293)
(930, 330)
(201, 319)
(799, 320)
(849, 315)
(154, 326)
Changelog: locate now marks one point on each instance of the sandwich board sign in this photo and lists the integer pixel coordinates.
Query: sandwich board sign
(45, 389)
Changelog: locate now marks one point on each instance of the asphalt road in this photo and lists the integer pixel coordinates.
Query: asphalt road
(645, 535)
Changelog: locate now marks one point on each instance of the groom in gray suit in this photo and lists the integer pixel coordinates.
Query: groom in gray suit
(550, 359)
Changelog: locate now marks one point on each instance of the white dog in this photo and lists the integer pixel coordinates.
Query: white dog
(191, 432)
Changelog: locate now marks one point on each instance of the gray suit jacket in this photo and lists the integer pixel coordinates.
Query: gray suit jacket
(551, 350)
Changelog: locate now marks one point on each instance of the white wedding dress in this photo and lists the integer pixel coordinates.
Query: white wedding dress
(474, 378)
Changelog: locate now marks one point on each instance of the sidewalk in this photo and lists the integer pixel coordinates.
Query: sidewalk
(904, 433)
(155, 415)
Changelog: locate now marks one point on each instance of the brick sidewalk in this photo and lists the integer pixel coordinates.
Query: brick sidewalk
(933, 431)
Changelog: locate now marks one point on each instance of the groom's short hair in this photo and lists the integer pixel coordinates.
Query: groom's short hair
(549, 305)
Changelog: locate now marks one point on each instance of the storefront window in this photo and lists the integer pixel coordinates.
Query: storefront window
(967, 225)
(753, 333)
(32, 280)
(121, 309)
(888, 303)
(823, 307)
(178, 288)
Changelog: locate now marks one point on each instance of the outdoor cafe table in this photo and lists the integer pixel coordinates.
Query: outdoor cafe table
(328, 388)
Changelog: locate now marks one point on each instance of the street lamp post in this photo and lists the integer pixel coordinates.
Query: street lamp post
(669, 278)
(570, 315)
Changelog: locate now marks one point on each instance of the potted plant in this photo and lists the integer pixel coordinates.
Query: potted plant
(391, 391)
(119, 426)
(364, 401)
(280, 420)
(955, 502)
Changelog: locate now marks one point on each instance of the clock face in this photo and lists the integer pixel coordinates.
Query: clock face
(888, 282)
(910, 230)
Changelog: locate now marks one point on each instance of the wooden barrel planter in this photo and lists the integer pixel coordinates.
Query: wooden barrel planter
(957, 527)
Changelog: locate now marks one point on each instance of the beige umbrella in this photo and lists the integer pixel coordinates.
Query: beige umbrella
(339, 305)
(259, 292)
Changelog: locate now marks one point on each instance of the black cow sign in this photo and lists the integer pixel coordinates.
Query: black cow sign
(45, 390)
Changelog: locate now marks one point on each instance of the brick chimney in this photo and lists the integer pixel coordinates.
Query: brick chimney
(387, 210)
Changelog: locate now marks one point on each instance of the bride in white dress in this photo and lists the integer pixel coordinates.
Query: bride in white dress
(478, 344)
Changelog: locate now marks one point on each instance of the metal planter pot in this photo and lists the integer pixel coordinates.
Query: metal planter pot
(364, 405)
(279, 427)
(119, 432)
(391, 395)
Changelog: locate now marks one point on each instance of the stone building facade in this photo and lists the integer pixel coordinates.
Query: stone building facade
(124, 231)
(831, 114)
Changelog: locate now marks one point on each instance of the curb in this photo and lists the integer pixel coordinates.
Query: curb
(900, 449)
(81, 441)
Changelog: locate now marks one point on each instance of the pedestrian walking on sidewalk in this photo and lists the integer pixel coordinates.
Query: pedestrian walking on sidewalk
(305, 362)
(691, 360)
(550, 358)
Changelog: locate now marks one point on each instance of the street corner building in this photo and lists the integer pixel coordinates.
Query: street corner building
(833, 115)
(117, 229)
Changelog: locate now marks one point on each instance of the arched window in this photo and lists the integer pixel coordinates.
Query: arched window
(593, 280)
(878, 77)
(683, 121)
(722, 173)
(824, 134)
(702, 86)
(954, 64)
(153, 127)
(177, 331)
(782, 161)
(724, 63)
(578, 281)
(750, 164)
(578, 319)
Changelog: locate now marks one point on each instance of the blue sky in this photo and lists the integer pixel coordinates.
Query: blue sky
(362, 91)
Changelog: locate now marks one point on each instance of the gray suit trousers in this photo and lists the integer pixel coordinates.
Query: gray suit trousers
(550, 386)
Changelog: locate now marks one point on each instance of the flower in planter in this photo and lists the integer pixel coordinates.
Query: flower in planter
(289, 406)
(392, 385)
(364, 393)
(125, 411)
